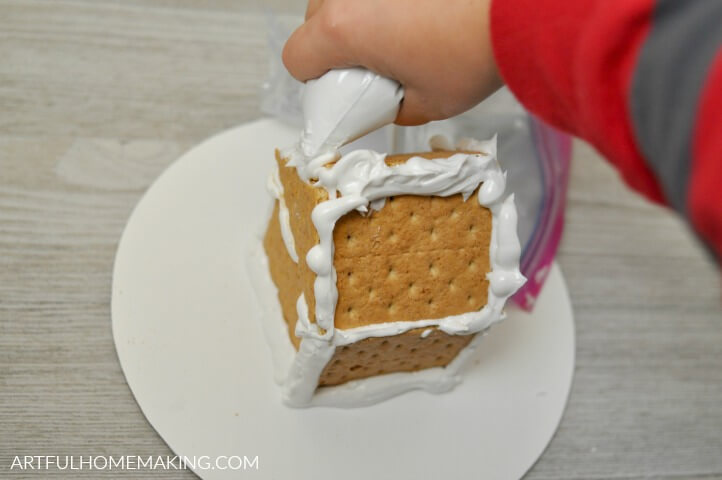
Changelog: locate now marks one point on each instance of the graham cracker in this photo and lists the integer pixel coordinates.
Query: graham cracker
(284, 273)
(407, 352)
(419, 257)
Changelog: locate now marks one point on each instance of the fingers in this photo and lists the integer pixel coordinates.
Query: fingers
(318, 45)
(413, 110)
(312, 7)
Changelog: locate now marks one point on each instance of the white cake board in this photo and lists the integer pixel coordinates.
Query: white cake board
(196, 360)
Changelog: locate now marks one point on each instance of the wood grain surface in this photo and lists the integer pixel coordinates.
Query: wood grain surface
(98, 97)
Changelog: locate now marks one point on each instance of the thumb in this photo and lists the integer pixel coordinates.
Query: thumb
(312, 7)
(319, 44)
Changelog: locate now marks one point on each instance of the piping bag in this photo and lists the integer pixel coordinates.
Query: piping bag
(345, 104)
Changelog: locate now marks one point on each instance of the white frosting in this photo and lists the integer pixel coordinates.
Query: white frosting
(313, 355)
(344, 105)
(362, 180)
(339, 107)
(276, 188)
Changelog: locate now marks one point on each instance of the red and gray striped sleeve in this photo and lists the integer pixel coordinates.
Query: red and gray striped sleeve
(641, 80)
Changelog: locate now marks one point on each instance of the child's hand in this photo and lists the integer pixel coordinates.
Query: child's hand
(440, 51)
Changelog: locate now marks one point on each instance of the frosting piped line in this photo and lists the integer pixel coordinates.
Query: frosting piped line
(275, 186)
(313, 354)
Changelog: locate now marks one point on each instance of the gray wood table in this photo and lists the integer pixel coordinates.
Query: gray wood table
(97, 98)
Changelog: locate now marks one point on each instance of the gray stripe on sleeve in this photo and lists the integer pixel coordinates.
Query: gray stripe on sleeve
(666, 86)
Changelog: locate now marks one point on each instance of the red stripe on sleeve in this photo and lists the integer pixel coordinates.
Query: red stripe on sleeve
(571, 63)
(704, 198)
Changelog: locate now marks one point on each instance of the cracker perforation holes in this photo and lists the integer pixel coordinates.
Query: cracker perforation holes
(355, 367)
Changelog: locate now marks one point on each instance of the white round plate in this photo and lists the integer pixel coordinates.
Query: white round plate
(196, 360)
